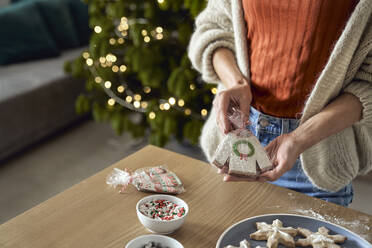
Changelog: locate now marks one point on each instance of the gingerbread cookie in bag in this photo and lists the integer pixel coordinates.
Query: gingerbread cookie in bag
(241, 151)
(156, 179)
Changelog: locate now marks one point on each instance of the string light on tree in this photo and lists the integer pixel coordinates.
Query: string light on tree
(123, 26)
(102, 60)
(128, 99)
(115, 68)
(97, 29)
(172, 100)
(166, 106)
(111, 58)
(181, 102)
(152, 115)
(137, 97)
(159, 29)
(147, 89)
(157, 33)
(147, 39)
(89, 62)
(112, 41)
(121, 41)
(111, 102)
(144, 32)
(137, 104)
(204, 112)
(144, 104)
(192, 86)
(214, 90)
(123, 68)
(161, 106)
(107, 84)
(160, 1)
(121, 89)
(98, 80)
(86, 55)
(187, 111)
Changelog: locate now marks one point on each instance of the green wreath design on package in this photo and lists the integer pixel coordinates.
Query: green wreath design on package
(245, 142)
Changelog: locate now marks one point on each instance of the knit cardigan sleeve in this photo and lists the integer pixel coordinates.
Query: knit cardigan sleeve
(213, 29)
(361, 87)
(348, 152)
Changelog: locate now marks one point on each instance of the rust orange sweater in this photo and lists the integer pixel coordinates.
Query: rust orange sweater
(289, 43)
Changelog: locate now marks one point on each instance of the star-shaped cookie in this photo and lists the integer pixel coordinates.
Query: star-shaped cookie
(243, 244)
(320, 239)
(275, 234)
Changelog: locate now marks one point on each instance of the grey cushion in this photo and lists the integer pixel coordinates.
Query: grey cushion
(36, 99)
(4, 3)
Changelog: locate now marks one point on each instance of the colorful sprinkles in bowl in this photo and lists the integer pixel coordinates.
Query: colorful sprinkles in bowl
(162, 210)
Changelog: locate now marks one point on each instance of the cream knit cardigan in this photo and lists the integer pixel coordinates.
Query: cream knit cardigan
(335, 161)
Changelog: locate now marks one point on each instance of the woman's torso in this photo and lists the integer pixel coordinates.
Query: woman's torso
(289, 43)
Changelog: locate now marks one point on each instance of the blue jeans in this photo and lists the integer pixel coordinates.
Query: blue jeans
(266, 128)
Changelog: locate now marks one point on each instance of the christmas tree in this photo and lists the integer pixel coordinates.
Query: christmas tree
(138, 75)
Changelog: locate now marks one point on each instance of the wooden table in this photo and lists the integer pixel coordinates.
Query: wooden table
(91, 214)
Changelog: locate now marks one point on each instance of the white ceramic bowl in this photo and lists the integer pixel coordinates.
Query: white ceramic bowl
(140, 241)
(162, 226)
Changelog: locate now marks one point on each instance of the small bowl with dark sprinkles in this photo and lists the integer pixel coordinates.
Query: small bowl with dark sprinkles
(154, 241)
(162, 213)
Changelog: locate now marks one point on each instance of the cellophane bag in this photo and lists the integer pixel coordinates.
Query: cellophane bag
(156, 179)
(240, 151)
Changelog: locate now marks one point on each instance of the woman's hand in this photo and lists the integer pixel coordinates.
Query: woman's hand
(284, 150)
(229, 178)
(239, 95)
(283, 153)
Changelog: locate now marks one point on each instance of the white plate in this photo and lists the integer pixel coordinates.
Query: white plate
(140, 241)
(241, 230)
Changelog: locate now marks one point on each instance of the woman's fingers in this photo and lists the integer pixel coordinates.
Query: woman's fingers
(223, 124)
(221, 103)
(272, 149)
(283, 154)
(245, 106)
(240, 97)
(224, 107)
(271, 175)
(223, 170)
(274, 174)
(270, 153)
(229, 178)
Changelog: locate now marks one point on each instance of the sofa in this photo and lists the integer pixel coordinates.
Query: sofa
(37, 98)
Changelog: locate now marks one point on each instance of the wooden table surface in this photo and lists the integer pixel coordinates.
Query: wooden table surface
(92, 214)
